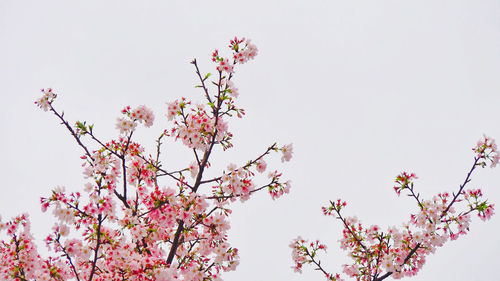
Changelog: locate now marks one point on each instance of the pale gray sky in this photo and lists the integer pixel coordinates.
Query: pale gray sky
(364, 90)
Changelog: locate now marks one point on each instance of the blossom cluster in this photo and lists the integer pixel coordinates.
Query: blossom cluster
(237, 181)
(276, 187)
(401, 251)
(230, 88)
(46, 99)
(198, 130)
(19, 255)
(243, 54)
(404, 180)
(140, 114)
(243, 51)
(486, 149)
(136, 219)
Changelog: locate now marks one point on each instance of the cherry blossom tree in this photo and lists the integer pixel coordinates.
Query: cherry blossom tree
(136, 219)
(401, 251)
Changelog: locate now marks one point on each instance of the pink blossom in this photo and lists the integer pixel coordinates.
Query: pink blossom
(287, 151)
(125, 126)
(172, 109)
(261, 166)
(486, 148)
(194, 168)
(231, 88)
(143, 114)
(245, 53)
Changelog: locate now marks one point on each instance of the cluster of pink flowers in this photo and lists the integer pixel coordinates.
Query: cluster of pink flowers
(230, 88)
(276, 187)
(173, 109)
(140, 114)
(225, 65)
(198, 129)
(484, 209)
(401, 251)
(46, 99)
(237, 181)
(404, 180)
(486, 149)
(19, 256)
(242, 55)
(243, 51)
(127, 224)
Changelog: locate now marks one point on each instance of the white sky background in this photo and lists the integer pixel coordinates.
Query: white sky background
(363, 89)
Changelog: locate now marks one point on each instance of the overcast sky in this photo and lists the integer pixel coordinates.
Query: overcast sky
(363, 89)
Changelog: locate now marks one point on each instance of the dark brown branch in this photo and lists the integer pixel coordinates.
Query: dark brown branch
(96, 250)
(467, 180)
(380, 239)
(207, 95)
(70, 129)
(318, 264)
(358, 241)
